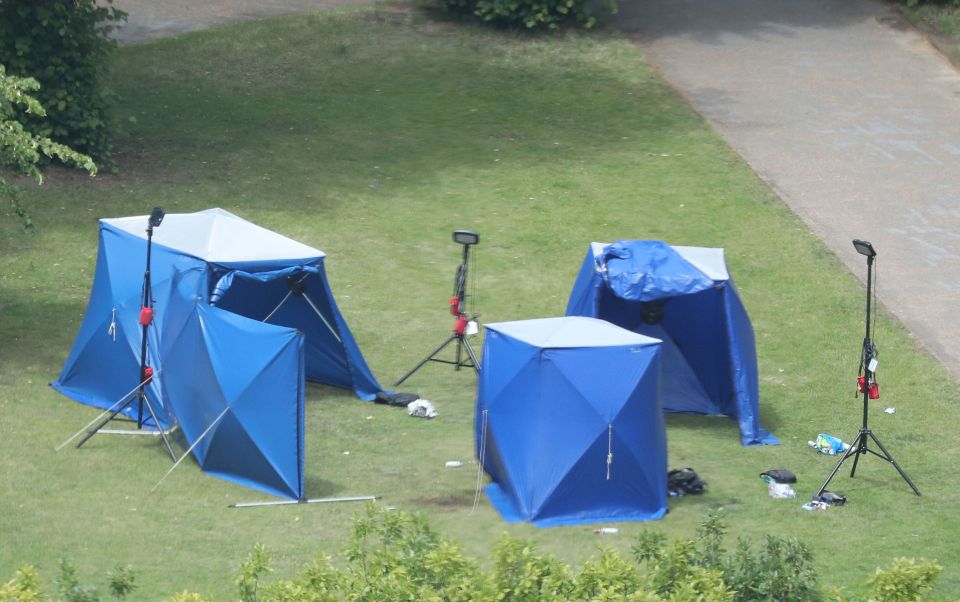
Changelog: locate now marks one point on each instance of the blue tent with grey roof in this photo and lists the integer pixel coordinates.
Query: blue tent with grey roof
(568, 422)
(243, 317)
(685, 297)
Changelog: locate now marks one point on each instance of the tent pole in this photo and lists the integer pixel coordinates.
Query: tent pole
(326, 500)
(113, 411)
(195, 443)
(99, 416)
(332, 331)
(279, 305)
(163, 435)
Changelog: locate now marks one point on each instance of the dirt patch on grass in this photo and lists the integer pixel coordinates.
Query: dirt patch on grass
(459, 500)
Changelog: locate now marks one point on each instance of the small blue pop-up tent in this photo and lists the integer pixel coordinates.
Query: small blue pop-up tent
(569, 424)
(243, 316)
(685, 297)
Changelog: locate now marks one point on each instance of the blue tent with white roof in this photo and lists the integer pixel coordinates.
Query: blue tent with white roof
(685, 297)
(243, 317)
(569, 424)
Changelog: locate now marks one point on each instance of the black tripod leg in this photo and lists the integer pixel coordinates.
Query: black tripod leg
(894, 462)
(95, 429)
(861, 445)
(836, 469)
(425, 360)
(459, 358)
(156, 423)
(473, 356)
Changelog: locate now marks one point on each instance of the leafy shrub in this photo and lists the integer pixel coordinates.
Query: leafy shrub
(251, 570)
(522, 574)
(532, 14)
(905, 580)
(19, 148)
(781, 569)
(24, 587)
(121, 581)
(63, 44)
(70, 587)
(397, 556)
(938, 2)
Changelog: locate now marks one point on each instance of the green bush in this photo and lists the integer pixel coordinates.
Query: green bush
(24, 587)
(532, 14)
(64, 45)
(19, 148)
(906, 580)
(397, 556)
(939, 2)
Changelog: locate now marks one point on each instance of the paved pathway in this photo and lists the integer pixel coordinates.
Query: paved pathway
(150, 19)
(845, 110)
(852, 118)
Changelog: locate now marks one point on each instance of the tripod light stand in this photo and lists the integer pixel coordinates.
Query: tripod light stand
(457, 308)
(868, 387)
(146, 372)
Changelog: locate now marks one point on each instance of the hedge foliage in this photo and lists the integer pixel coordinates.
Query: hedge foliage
(21, 149)
(934, 2)
(397, 556)
(64, 45)
(532, 14)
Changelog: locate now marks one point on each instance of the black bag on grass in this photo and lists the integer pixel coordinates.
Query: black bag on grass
(684, 481)
(779, 475)
(395, 399)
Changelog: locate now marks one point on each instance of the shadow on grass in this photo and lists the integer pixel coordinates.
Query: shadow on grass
(316, 487)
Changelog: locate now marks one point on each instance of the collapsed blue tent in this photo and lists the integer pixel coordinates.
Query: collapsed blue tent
(569, 424)
(243, 317)
(685, 297)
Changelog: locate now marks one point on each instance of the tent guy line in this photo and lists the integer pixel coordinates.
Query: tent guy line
(195, 443)
(105, 412)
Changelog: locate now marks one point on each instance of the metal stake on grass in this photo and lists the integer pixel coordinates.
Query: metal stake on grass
(326, 500)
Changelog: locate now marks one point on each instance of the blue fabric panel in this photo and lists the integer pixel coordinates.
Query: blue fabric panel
(744, 371)
(502, 395)
(503, 503)
(647, 270)
(709, 355)
(586, 289)
(696, 324)
(332, 362)
(221, 361)
(99, 370)
(548, 415)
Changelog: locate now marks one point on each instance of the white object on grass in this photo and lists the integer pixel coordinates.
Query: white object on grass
(421, 408)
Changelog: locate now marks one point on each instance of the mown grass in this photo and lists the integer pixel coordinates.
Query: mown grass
(372, 135)
(940, 22)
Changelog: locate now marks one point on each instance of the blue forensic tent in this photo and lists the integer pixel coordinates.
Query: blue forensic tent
(569, 424)
(685, 297)
(243, 316)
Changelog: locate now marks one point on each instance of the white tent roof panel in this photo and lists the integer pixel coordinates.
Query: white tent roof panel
(217, 236)
(570, 332)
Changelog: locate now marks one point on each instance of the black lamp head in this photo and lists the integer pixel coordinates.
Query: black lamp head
(864, 248)
(156, 216)
(465, 237)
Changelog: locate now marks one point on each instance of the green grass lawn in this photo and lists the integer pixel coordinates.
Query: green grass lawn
(371, 135)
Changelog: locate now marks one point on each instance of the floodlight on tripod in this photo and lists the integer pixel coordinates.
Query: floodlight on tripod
(463, 325)
(146, 372)
(867, 387)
